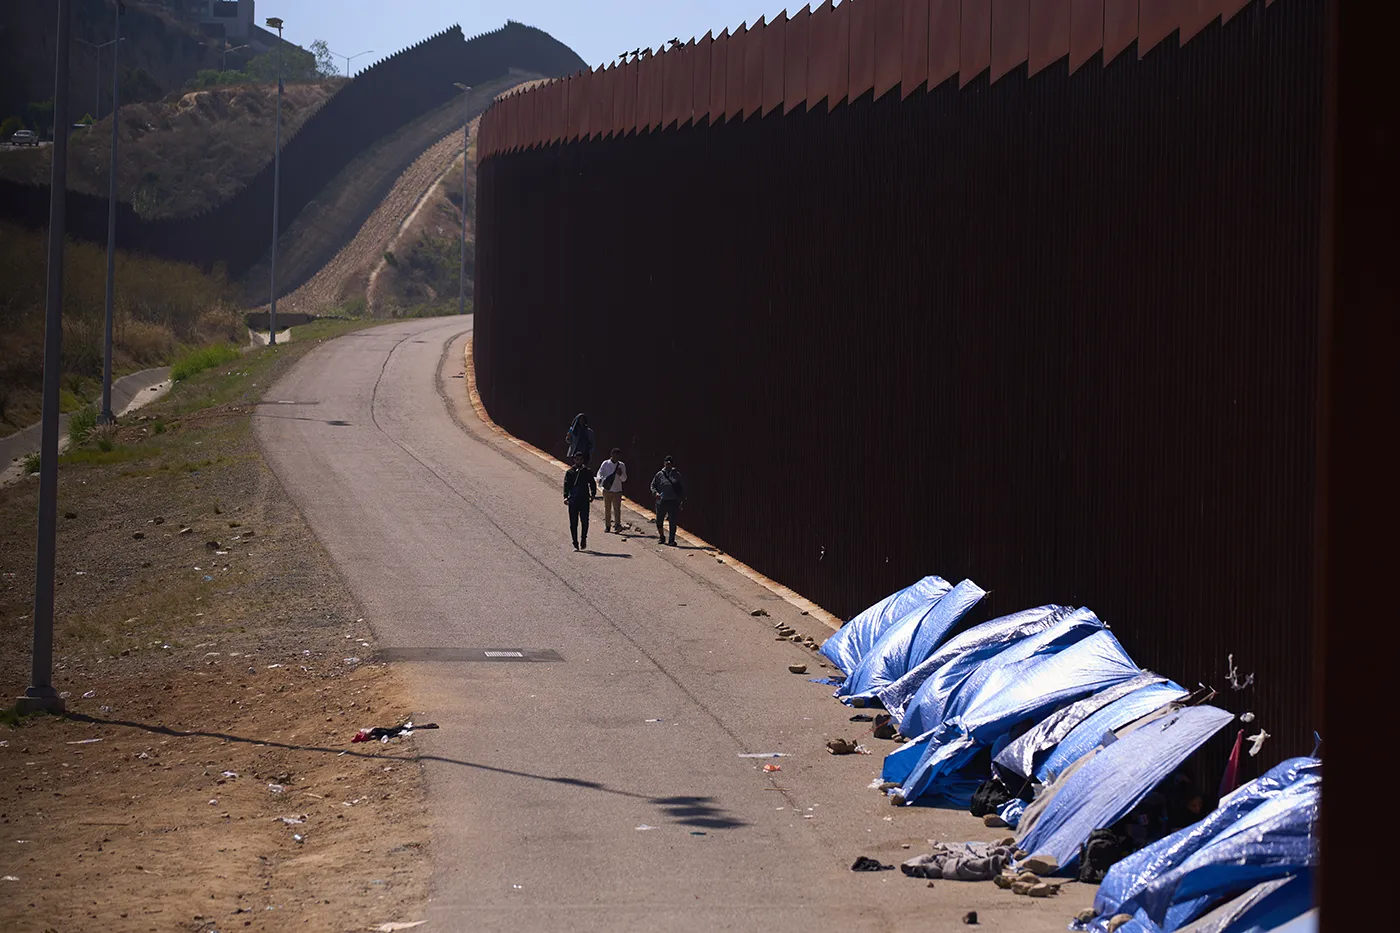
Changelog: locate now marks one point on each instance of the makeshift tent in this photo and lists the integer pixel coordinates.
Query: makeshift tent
(855, 639)
(1116, 780)
(1127, 881)
(960, 656)
(1087, 736)
(1264, 907)
(909, 641)
(1274, 840)
(1011, 640)
(1017, 761)
(1009, 693)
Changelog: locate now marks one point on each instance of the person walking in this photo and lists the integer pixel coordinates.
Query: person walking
(579, 491)
(580, 438)
(666, 486)
(611, 475)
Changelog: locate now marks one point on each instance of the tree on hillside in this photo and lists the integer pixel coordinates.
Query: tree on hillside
(138, 85)
(325, 59)
(297, 65)
(8, 128)
(39, 116)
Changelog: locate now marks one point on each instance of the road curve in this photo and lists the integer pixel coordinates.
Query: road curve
(544, 774)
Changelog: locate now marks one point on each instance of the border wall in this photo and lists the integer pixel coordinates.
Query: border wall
(380, 100)
(929, 287)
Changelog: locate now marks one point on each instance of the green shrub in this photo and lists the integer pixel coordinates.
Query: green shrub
(10, 127)
(80, 425)
(197, 361)
(31, 463)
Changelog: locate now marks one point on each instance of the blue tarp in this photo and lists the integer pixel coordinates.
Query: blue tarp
(1087, 736)
(1130, 881)
(853, 642)
(1011, 639)
(951, 664)
(1017, 762)
(1117, 778)
(1009, 691)
(909, 641)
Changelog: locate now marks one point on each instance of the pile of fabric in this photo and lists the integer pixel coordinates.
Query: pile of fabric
(1041, 722)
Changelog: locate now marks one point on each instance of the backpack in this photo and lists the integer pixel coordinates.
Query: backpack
(989, 797)
(1101, 851)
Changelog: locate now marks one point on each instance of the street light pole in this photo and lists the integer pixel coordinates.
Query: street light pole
(97, 81)
(350, 58)
(466, 140)
(40, 694)
(110, 300)
(223, 66)
(275, 23)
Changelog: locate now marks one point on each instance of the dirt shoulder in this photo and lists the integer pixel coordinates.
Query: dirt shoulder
(215, 677)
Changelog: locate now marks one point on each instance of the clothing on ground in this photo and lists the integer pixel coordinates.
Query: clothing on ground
(960, 861)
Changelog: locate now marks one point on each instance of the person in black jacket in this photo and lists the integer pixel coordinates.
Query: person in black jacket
(579, 491)
(666, 486)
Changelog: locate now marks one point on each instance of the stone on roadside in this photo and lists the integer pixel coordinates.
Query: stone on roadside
(1086, 915)
(1117, 920)
(186, 531)
(795, 638)
(1041, 864)
(1007, 841)
(970, 918)
(138, 535)
(1043, 890)
(759, 612)
(841, 746)
(1003, 881)
(797, 668)
(1029, 877)
(1021, 887)
(994, 821)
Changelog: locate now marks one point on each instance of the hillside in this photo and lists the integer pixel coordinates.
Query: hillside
(179, 156)
(158, 56)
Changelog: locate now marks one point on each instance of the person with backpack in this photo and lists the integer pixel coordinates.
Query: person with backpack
(611, 475)
(666, 486)
(580, 438)
(579, 491)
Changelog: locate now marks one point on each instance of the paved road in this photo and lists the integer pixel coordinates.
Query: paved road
(545, 772)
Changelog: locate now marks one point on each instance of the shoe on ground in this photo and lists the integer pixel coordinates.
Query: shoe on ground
(575, 545)
(672, 542)
(583, 546)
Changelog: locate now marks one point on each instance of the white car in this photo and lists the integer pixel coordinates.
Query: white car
(24, 138)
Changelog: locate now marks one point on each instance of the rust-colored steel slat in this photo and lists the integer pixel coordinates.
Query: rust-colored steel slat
(574, 90)
(658, 92)
(796, 44)
(704, 55)
(650, 87)
(734, 73)
(1198, 15)
(719, 74)
(753, 68)
(558, 102)
(512, 123)
(889, 46)
(671, 96)
(586, 86)
(618, 95)
(914, 58)
(529, 101)
(841, 45)
(774, 46)
(629, 97)
(1158, 19)
(862, 43)
(976, 40)
(685, 79)
(821, 56)
(1010, 35)
(944, 40)
(1120, 27)
(1085, 31)
(1228, 8)
(1049, 29)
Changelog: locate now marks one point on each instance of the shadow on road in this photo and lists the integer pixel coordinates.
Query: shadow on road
(687, 811)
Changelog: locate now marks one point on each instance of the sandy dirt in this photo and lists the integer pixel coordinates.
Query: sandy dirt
(214, 677)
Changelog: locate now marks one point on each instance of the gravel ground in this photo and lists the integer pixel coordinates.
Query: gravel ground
(209, 648)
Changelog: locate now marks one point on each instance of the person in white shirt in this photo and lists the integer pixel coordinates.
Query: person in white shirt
(611, 475)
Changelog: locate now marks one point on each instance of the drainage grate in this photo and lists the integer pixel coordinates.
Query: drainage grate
(468, 655)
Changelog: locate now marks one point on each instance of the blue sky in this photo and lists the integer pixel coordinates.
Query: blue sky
(596, 29)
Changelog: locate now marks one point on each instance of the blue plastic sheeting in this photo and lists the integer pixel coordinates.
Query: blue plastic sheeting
(1273, 840)
(1010, 640)
(909, 641)
(1262, 908)
(1124, 885)
(1087, 736)
(853, 642)
(1108, 786)
(1017, 761)
(1011, 692)
(945, 670)
(1307, 923)
(1011, 811)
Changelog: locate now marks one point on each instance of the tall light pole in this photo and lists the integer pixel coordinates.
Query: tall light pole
(40, 695)
(223, 65)
(466, 140)
(275, 22)
(110, 301)
(350, 58)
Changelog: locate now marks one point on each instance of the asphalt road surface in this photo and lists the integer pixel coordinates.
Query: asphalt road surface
(603, 790)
